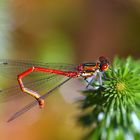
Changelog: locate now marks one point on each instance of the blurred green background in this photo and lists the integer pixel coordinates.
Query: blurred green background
(62, 31)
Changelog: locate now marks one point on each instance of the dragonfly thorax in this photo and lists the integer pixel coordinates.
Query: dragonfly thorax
(87, 69)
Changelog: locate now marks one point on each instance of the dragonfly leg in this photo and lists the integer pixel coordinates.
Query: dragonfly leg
(28, 91)
(90, 81)
(100, 80)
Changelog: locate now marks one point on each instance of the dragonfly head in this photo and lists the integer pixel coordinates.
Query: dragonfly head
(103, 63)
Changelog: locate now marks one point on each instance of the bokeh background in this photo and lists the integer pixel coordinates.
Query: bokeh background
(67, 32)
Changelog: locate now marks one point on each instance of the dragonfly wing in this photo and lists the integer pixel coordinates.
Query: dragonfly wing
(37, 81)
(12, 68)
(41, 85)
(34, 103)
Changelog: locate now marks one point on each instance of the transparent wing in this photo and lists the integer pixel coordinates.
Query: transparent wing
(34, 103)
(37, 81)
(12, 68)
(41, 86)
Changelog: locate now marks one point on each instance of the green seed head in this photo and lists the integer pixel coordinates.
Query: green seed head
(117, 100)
(120, 86)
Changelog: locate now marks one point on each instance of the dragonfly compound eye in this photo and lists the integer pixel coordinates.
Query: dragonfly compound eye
(104, 67)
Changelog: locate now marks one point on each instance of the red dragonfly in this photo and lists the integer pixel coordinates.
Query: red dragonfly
(21, 69)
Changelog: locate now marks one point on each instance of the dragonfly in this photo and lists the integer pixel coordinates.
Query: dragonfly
(43, 74)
